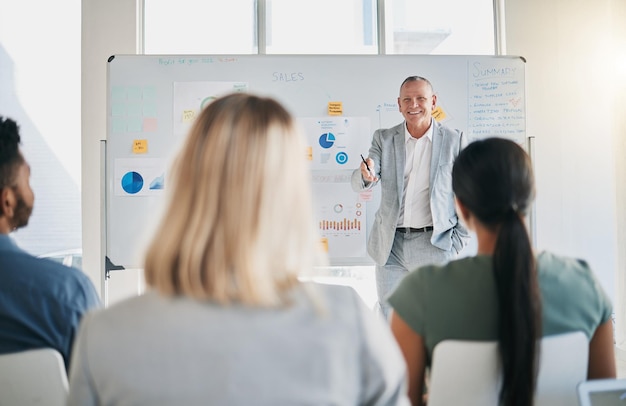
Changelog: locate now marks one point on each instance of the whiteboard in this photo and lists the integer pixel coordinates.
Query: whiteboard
(338, 100)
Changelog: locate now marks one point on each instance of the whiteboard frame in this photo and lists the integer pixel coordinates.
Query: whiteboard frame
(398, 74)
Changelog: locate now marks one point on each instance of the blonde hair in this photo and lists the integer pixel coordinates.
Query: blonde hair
(238, 226)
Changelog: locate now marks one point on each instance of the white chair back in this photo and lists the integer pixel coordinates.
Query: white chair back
(33, 377)
(469, 372)
(602, 392)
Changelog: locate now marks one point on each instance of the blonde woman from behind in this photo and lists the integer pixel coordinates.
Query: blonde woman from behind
(225, 320)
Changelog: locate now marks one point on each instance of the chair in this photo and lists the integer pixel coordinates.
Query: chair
(33, 377)
(469, 372)
(602, 392)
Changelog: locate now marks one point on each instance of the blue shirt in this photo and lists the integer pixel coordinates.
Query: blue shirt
(41, 302)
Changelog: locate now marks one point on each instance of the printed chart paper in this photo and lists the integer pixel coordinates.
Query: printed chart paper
(340, 215)
(139, 176)
(337, 142)
(191, 97)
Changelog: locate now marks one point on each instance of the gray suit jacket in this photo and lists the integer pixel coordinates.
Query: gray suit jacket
(388, 153)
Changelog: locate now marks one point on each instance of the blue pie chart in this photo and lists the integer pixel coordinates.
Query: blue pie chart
(132, 182)
(327, 140)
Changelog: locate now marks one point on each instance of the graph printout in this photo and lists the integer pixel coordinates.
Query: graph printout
(335, 145)
(340, 215)
(336, 142)
(191, 97)
(139, 176)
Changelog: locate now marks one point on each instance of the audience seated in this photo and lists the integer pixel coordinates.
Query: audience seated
(505, 292)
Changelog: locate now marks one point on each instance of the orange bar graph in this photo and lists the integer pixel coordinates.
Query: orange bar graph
(341, 225)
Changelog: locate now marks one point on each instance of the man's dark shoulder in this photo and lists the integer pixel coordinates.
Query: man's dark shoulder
(18, 268)
(29, 263)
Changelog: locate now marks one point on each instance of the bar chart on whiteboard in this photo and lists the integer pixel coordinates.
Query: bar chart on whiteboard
(340, 215)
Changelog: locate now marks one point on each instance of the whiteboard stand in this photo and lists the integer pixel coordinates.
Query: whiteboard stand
(106, 266)
(103, 221)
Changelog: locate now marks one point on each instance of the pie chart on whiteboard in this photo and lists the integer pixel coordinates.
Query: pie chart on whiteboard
(132, 182)
(327, 140)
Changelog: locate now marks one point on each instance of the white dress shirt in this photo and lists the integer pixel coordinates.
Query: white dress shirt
(415, 210)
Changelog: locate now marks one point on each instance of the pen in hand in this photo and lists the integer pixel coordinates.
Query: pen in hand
(365, 162)
(369, 171)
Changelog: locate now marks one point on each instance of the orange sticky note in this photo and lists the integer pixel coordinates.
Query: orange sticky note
(309, 153)
(324, 242)
(140, 146)
(335, 108)
(188, 115)
(439, 114)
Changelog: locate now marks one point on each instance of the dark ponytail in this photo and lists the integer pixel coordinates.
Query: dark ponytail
(519, 317)
(493, 178)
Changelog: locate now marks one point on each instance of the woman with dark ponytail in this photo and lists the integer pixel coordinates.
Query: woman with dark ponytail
(505, 292)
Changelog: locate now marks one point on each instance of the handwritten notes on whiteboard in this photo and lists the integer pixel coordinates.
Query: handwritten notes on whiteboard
(335, 108)
(140, 146)
(496, 100)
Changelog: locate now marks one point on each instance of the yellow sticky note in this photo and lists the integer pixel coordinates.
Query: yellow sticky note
(309, 153)
(439, 114)
(335, 108)
(140, 146)
(188, 115)
(324, 242)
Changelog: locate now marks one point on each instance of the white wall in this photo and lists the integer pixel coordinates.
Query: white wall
(40, 90)
(109, 27)
(617, 22)
(572, 87)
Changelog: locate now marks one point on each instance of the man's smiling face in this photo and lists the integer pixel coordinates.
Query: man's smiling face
(416, 103)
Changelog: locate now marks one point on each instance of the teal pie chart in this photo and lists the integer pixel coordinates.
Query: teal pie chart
(132, 182)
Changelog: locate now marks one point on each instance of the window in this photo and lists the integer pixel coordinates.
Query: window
(321, 27)
(446, 27)
(200, 27)
(40, 81)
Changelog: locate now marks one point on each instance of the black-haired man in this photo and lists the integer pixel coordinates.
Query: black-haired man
(41, 302)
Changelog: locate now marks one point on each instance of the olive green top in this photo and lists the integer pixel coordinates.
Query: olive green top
(458, 300)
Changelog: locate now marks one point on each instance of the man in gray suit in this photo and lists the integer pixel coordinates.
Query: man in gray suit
(416, 223)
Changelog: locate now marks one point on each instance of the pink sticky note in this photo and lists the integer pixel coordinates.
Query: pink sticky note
(365, 196)
(149, 124)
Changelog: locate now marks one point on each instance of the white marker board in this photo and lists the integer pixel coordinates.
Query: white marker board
(339, 100)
